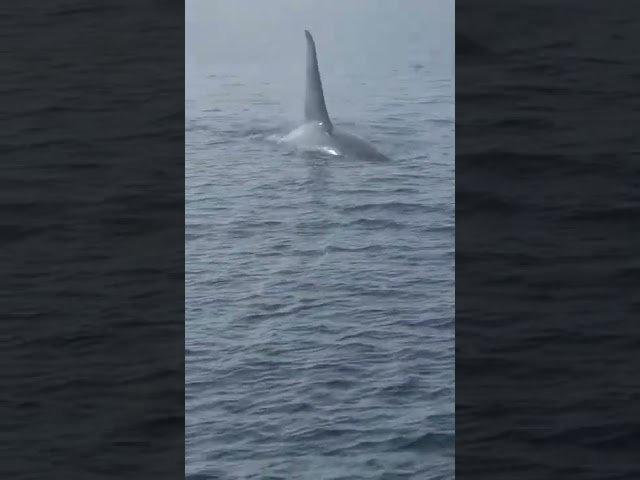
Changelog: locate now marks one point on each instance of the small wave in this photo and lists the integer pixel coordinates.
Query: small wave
(367, 248)
(99, 9)
(394, 207)
(487, 202)
(378, 224)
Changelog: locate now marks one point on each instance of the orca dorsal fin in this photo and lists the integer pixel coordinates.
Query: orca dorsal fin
(315, 109)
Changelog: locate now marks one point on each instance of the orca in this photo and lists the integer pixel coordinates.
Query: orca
(318, 133)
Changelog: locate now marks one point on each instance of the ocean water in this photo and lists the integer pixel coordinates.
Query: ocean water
(319, 290)
(91, 232)
(546, 262)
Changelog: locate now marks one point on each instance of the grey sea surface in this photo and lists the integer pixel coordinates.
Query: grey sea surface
(547, 201)
(319, 290)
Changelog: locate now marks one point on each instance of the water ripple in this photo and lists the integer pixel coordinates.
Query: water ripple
(320, 293)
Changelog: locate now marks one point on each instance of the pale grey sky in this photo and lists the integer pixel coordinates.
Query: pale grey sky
(231, 31)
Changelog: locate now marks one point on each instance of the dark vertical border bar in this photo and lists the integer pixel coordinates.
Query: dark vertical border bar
(92, 233)
(547, 304)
